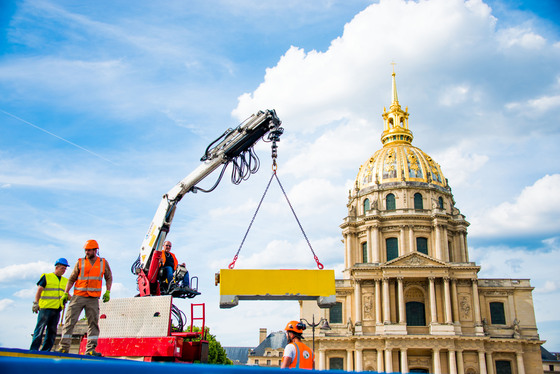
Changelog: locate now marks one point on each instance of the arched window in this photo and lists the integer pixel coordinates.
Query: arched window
(415, 314)
(440, 202)
(497, 313)
(390, 202)
(392, 245)
(422, 245)
(366, 205)
(418, 204)
(335, 313)
(503, 367)
(364, 252)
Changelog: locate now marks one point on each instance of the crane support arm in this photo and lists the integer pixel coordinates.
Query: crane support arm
(229, 145)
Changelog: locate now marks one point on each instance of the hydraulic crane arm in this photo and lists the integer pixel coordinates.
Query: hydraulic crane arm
(225, 149)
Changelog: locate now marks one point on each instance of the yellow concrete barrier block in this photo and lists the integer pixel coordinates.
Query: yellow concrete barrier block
(285, 284)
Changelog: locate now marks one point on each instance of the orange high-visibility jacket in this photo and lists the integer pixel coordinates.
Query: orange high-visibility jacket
(90, 277)
(175, 262)
(304, 357)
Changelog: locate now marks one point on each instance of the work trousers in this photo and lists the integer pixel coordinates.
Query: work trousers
(47, 319)
(73, 310)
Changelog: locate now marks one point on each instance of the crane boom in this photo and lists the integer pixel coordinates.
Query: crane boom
(226, 148)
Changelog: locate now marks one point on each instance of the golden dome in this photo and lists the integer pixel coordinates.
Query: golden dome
(398, 160)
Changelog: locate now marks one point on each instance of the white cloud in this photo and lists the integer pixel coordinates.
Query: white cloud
(522, 37)
(14, 273)
(314, 196)
(332, 152)
(456, 94)
(538, 265)
(314, 89)
(535, 211)
(459, 163)
(549, 286)
(284, 254)
(5, 303)
(531, 107)
(27, 293)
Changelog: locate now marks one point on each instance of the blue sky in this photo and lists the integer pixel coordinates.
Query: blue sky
(104, 106)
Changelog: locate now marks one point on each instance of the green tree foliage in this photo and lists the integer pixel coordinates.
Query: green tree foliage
(216, 353)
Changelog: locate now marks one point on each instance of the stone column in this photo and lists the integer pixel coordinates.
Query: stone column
(357, 249)
(482, 362)
(380, 366)
(452, 362)
(438, 242)
(369, 253)
(432, 291)
(437, 361)
(520, 363)
(402, 246)
(445, 244)
(462, 247)
(476, 302)
(466, 253)
(321, 363)
(357, 301)
(489, 363)
(375, 244)
(412, 244)
(349, 360)
(447, 300)
(359, 359)
(388, 360)
(404, 361)
(346, 251)
(378, 301)
(460, 363)
(512, 314)
(400, 290)
(454, 300)
(386, 302)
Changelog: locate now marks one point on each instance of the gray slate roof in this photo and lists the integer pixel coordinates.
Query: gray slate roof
(274, 340)
(238, 354)
(547, 356)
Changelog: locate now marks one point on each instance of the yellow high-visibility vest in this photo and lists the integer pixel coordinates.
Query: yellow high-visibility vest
(50, 297)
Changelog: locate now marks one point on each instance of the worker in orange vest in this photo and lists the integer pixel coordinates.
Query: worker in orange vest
(87, 279)
(169, 263)
(296, 354)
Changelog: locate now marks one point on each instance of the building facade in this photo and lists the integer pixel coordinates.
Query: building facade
(270, 350)
(410, 300)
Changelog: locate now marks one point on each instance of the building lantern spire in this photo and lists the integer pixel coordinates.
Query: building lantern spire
(395, 101)
(395, 121)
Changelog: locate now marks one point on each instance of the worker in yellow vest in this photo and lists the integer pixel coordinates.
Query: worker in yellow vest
(296, 354)
(86, 278)
(48, 304)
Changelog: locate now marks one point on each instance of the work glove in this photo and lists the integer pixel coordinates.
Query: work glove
(35, 307)
(65, 298)
(106, 296)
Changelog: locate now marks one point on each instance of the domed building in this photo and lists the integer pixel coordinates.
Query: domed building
(410, 300)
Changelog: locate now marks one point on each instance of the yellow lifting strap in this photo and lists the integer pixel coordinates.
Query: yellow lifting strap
(276, 284)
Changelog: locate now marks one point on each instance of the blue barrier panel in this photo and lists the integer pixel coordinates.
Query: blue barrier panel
(24, 365)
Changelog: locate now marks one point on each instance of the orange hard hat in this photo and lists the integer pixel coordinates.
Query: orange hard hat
(295, 326)
(91, 244)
